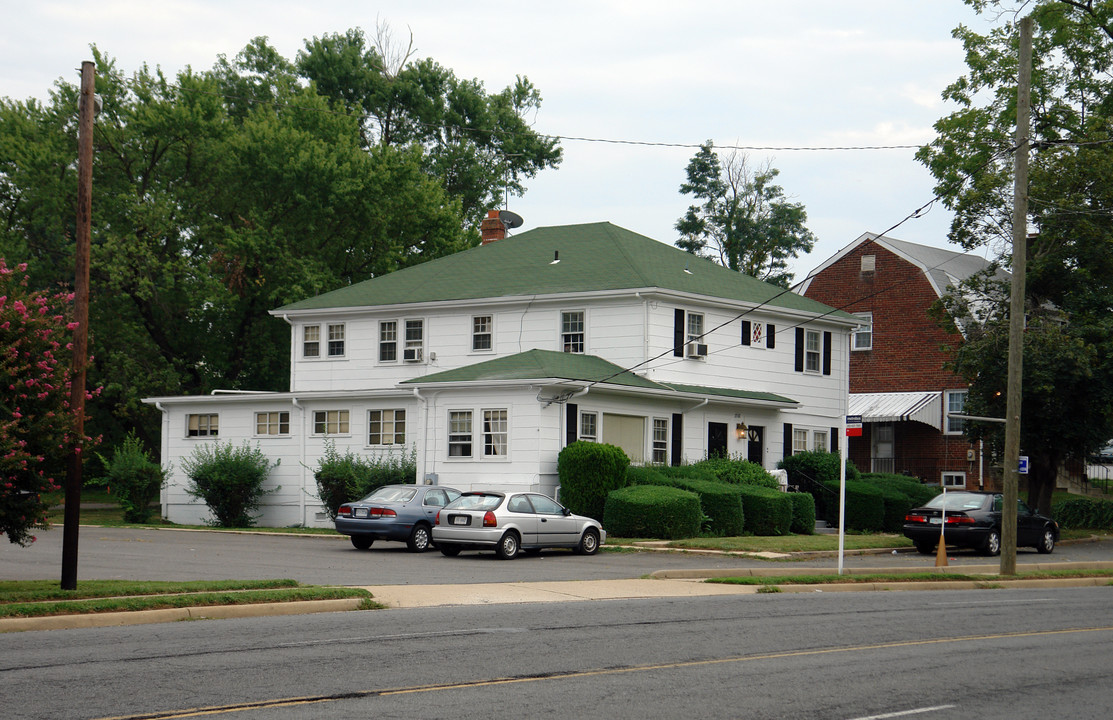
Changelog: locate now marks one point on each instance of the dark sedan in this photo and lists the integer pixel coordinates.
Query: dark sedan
(973, 520)
(405, 513)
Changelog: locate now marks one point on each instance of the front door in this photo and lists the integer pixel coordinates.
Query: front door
(755, 445)
(716, 439)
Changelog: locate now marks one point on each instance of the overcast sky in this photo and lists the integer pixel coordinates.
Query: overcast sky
(754, 73)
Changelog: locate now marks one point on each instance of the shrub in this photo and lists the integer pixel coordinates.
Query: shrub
(865, 506)
(588, 473)
(803, 513)
(653, 511)
(229, 480)
(720, 502)
(766, 511)
(916, 491)
(1084, 513)
(737, 472)
(347, 477)
(812, 471)
(137, 479)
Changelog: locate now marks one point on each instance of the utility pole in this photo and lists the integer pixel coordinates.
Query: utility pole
(1016, 302)
(86, 111)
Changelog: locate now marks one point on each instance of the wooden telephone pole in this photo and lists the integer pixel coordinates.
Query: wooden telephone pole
(1016, 302)
(86, 111)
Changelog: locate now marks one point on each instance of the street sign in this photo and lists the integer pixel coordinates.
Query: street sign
(854, 426)
(1023, 469)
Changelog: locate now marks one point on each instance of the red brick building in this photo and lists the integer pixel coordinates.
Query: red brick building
(898, 383)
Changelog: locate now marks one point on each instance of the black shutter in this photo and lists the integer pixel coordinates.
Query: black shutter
(745, 332)
(678, 333)
(677, 435)
(787, 441)
(571, 423)
(799, 349)
(770, 336)
(827, 353)
(834, 440)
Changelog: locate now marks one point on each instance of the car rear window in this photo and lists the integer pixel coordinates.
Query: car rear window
(392, 494)
(476, 502)
(957, 501)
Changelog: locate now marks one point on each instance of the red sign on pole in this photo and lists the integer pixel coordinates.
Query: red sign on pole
(854, 426)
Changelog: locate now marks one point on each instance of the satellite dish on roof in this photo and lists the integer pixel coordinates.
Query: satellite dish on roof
(510, 219)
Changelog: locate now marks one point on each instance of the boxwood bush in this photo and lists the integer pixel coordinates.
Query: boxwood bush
(588, 473)
(766, 511)
(737, 471)
(720, 502)
(803, 513)
(865, 506)
(812, 471)
(1083, 512)
(916, 491)
(654, 511)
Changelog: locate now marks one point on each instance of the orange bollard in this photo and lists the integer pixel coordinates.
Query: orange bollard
(941, 554)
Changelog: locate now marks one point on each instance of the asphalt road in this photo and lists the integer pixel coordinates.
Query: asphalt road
(117, 553)
(923, 654)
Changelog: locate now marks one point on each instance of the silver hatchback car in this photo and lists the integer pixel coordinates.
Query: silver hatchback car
(509, 523)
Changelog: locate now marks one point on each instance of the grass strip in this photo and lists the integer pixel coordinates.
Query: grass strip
(905, 577)
(12, 591)
(204, 599)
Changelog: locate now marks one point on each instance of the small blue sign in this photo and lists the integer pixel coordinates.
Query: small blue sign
(1023, 470)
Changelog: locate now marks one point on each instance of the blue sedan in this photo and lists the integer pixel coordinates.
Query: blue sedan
(404, 513)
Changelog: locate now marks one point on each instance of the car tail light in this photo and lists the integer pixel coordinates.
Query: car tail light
(960, 520)
(489, 519)
(915, 519)
(376, 512)
(437, 519)
(345, 510)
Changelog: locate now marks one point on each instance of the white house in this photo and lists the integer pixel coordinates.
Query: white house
(487, 362)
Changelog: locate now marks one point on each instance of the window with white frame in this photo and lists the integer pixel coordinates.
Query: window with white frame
(812, 350)
(660, 441)
(956, 401)
(202, 425)
(799, 441)
(863, 334)
(336, 340)
(572, 331)
(495, 433)
(388, 340)
(330, 422)
(819, 441)
(386, 427)
(481, 333)
(311, 341)
(415, 340)
(459, 433)
(954, 480)
(695, 328)
(589, 426)
(272, 423)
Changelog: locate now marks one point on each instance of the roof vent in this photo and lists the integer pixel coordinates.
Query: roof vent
(869, 263)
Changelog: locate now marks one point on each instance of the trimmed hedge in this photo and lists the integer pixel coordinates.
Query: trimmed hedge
(654, 511)
(766, 511)
(917, 492)
(803, 513)
(720, 503)
(822, 468)
(1084, 512)
(737, 472)
(589, 472)
(865, 505)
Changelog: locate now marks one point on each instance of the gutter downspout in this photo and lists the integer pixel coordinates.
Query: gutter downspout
(164, 493)
(301, 459)
(424, 435)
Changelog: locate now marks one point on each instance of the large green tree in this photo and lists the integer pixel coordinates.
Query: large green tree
(217, 196)
(479, 145)
(1068, 363)
(744, 220)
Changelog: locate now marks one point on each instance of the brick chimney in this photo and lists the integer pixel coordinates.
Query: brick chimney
(491, 229)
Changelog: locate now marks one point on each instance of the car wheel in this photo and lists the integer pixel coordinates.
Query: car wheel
(589, 542)
(508, 546)
(362, 542)
(419, 540)
(992, 544)
(449, 550)
(1047, 542)
(925, 547)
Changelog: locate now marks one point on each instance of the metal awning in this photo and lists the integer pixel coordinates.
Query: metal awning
(924, 407)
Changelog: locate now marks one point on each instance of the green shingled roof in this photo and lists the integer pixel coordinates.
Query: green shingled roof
(553, 365)
(595, 257)
(542, 365)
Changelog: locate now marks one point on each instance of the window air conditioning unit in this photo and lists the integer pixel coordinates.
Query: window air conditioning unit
(697, 350)
(411, 355)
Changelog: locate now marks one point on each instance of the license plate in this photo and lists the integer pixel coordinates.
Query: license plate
(461, 520)
(935, 521)
(361, 512)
